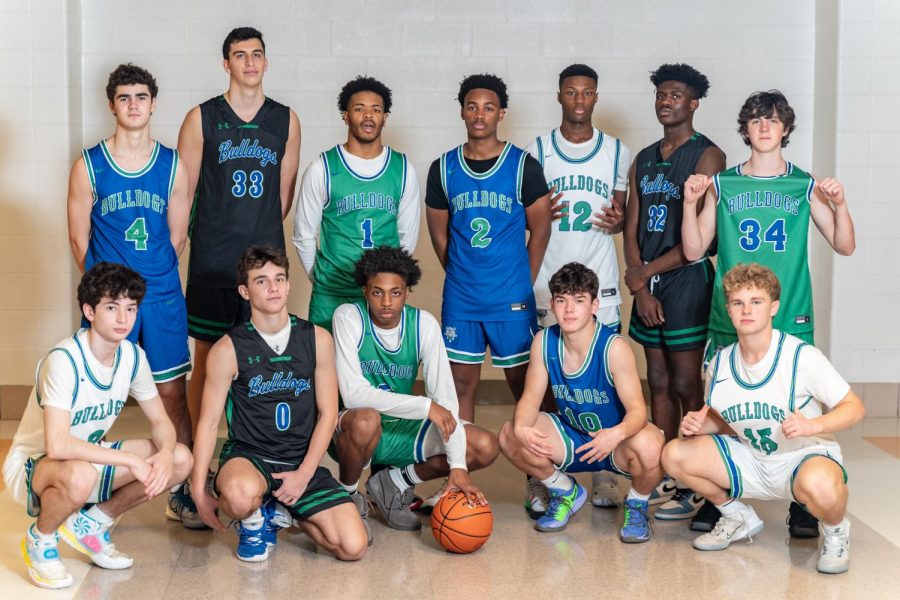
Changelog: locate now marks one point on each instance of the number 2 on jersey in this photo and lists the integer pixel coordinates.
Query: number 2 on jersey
(481, 227)
(774, 235)
(240, 187)
(137, 234)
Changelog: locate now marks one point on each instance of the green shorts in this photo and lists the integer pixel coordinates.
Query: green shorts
(401, 444)
(717, 340)
(322, 307)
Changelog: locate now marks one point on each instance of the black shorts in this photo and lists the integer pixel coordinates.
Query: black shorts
(213, 311)
(685, 295)
(322, 492)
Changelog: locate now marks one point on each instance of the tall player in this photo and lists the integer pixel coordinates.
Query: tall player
(769, 389)
(763, 216)
(588, 170)
(128, 204)
(671, 293)
(276, 375)
(241, 150)
(362, 194)
(481, 198)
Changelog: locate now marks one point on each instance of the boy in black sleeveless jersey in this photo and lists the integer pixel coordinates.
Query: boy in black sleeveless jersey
(274, 377)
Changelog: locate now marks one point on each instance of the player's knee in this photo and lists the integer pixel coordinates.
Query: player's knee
(78, 478)
(649, 447)
(352, 547)
(365, 427)
(821, 488)
(183, 463)
(672, 457)
(687, 387)
(238, 496)
(507, 439)
(483, 448)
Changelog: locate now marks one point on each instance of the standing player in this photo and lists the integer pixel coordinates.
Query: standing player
(362, 194)
(60, 465)
(380, 344)
(763, 388)
(128, 204)
(241, 151)
(481, 198)
(601, 420)
(671, 294)
(276, 375)
(588, 170)
(763, 216)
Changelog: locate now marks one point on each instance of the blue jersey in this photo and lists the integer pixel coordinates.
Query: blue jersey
(587, 399)
(488, 274)
(129, 217)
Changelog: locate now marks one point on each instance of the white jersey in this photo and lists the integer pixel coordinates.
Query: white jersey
(587, 174)
(755, 399)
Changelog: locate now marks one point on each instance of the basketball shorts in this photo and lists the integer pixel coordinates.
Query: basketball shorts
(685, 295)
(753, 476)
(322, 307)
(402, 441)
(509, 341)
(573, 438)
(717, 340)
(213, 311)
(322, 492)
(18, 471)
(610, 316)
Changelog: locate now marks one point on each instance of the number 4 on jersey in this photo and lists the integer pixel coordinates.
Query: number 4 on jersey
(137, 234)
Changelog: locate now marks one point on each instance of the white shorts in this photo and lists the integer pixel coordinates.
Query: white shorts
(610, 316)
(19, 469)
(770, 478)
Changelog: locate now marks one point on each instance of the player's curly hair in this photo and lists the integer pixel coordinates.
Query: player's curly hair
(110, 280)
(574, 278)
(686, 74)
(241, 34)
(577, 70)
(766, 104)
(256, 257)
(386, 259)
(483, 81)
(130, 74)
(752, 275)
(364, 84)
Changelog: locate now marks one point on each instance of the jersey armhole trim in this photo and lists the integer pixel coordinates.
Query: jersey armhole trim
(404, 167)
(791, 402)
(89, 166)
(520, 177)
(37, 386)
(327, 180)
(718, 187)
(540, 150)
(606, 349)
(137, 361)
(362, 320)
(174, 170)
(712, 380)
(615, 180)
(809, 189)
(443, 169)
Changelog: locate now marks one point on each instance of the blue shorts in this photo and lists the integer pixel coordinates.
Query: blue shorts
(573, 438)
(510, 341)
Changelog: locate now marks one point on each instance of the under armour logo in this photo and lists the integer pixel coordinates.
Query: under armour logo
(223, 125)
(253, 359)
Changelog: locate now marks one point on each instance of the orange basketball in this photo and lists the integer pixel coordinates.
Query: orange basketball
(458, 527)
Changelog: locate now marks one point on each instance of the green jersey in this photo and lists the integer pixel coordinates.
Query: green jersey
(391, 370)
(766, 220)
(359, 213)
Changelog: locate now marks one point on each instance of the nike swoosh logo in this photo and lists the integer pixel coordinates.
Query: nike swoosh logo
(721, 380)
(671, 487)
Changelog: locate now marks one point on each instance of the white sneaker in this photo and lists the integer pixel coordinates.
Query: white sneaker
(835, 557)
(663, 492)
(426, 506)
(537, 498)
(43, 562)
(605, 489)
(90, 537)
(743, 525)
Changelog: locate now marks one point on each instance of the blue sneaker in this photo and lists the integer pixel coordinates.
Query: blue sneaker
(636, 528)
(252, 546)
(561, 508)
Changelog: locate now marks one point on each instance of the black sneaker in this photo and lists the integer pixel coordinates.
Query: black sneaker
(801, 524)
(706, 518)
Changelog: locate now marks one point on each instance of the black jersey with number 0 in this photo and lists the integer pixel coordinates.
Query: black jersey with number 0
(238, 200)
(271, 408)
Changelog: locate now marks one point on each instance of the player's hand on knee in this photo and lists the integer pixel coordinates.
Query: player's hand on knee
(692, 423)
(161, 467)
(293, 485)
(140, 468)
(559, 208)
(832, 190)
(602, 445)
(459, 479)
(534, 441)
(797, 425)
(695, 187)
(207, 506)
(443, 419)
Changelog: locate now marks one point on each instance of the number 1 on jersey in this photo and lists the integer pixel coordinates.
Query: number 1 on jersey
(366, 227)
(137, 234)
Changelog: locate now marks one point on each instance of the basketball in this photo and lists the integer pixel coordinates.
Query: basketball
(458, 527)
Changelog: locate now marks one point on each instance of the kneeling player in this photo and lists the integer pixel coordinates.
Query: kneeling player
(60, 466)
(277, 373)
(769, 389)
(380, 344)
(601, 419)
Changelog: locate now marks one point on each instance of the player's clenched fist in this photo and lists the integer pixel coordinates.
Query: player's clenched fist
(692, 423)
(832, 190)
(695, 187)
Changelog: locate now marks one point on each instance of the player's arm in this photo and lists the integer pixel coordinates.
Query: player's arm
(612, 218)
(536, 199)
(437, 212)
(162, 432)
(528, 407)
(308, 216)
(698, 223)
(409, 215)
(828, 209)
(648, 308)
(290, 164)
(179, 210)
(78, 211)
(190, 149)
(439, 386)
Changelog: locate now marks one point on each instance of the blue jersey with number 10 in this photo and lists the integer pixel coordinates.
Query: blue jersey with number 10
(587, 399)
(129, 217)
(488, 273)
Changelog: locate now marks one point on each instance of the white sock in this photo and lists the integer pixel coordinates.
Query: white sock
(36, 533)
(350, 489)
(634, 495)
(832, 529)
(254, 521)
(98, 515)
(410, 472)
(730, 509)
(559, 481)
(397, 477)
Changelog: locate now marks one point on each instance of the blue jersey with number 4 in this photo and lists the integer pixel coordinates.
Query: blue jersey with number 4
(587, 398)
(129, 217)
(488, 273)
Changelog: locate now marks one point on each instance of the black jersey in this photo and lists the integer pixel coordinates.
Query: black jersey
(661, 187)
(271, 407)
(238, 201)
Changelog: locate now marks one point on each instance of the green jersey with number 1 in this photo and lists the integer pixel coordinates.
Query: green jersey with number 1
(360, 213)
(766, 220)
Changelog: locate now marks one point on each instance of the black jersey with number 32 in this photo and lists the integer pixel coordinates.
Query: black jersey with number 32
(238, 200)
(271, 408)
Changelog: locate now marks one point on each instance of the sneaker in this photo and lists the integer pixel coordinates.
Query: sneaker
(426, 506)
(252, 546)
(273, 522)
(91, 538)
(706, 518)
(743, 525)
(683, 505)
(605, 489)
(43, 562)
(801, 524)
(180, 507)
(537, 497)
(362, 507)
(392, 501)
(561, 508)
(835, 557)
(636, 528)
(663, 492)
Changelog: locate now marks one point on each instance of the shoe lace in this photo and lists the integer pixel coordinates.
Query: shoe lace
(682, 495)
(558, 504)
(727, 526)
(835, 544)
(636, 516)
(406, 498)
(536, 489)
(250, 536)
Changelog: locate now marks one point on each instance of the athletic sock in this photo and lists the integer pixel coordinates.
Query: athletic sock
(352, 488)
(98, 515)
(730, 509)
(634, 495)
(410, 475)
(399, 480)
(831, 529)
(254, 521)
(36, 533)
(559, 481)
